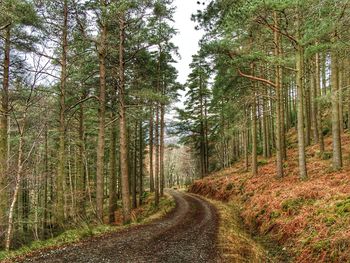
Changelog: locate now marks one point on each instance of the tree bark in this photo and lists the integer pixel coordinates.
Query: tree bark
(60, 199)
(134, 169)
(162, 147)
(300, 112)
(254, 138)
(113, 198)
(151, 173)
(4, 131)
(313, 96)
(318, 108)
(123, 148)
(80, 184)
(337, 152)
(156, 170)
(278, 81)
(102, 53)
(141, 164)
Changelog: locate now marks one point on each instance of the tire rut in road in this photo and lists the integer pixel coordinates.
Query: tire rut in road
(187, 234)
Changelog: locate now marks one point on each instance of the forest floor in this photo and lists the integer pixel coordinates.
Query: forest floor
(186, 234)
(307, 220)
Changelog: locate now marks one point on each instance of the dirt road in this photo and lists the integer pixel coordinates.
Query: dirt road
(187, 234)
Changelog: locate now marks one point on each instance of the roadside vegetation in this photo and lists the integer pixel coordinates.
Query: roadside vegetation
(309, 220)
(144, 214)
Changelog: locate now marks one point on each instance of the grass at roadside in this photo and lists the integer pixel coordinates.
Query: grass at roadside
(143, 215)
(235, 244)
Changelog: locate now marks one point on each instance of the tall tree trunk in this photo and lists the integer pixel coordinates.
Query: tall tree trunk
(134, 168)
(4, 131)
(324, 73)
(337, 152)
(162, 147)
(206, 139)
(156, 144)
(313, 96)
(151, 146)
(340, 96)
(254, 138)
(102, 53)
(80, 181)
(123, 148)
(46, 179)
(306, 101)
(318, 108)
(113, 198)
(279, 119)
(245, 142)
(141, 163)
(60, 199)
(300, 111)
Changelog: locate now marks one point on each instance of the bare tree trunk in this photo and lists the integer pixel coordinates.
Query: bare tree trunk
(279, 119)
(102, 52)
(245, 142)
(340, 96)
(156, 170)
(162, 148)
(123, 147)
(134, 168)
(318, 108)
(3, 131)
(306, 101)
(151, 173)
(313, 97)
(254, 139)
(112, 173)
(60, 215)
(80, 184)
(300, 113)
(141, 164)
(337, 152)
(46, 175)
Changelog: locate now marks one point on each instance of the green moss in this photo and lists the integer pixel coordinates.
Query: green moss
(343, 208)
(326, 130)
(325, 155)
(322, 245)
(329, 221)
(306, 241)
(262, 162)
(294, 205)
(275, 214)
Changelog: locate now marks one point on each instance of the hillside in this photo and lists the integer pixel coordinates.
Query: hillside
(310, 219)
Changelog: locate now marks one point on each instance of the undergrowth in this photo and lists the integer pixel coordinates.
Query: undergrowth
(142, 215)
(310, 219)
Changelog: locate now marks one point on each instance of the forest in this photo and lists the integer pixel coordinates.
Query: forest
(81, 80)
(94, 122)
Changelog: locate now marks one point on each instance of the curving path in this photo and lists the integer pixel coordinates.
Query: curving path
(187, 234)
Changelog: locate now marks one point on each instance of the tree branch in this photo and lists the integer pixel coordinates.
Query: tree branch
(266, 81)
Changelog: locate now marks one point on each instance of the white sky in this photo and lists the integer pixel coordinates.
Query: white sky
(187, 42)
(187, 37)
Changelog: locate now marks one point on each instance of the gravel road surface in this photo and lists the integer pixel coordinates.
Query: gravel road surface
(187, 234)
